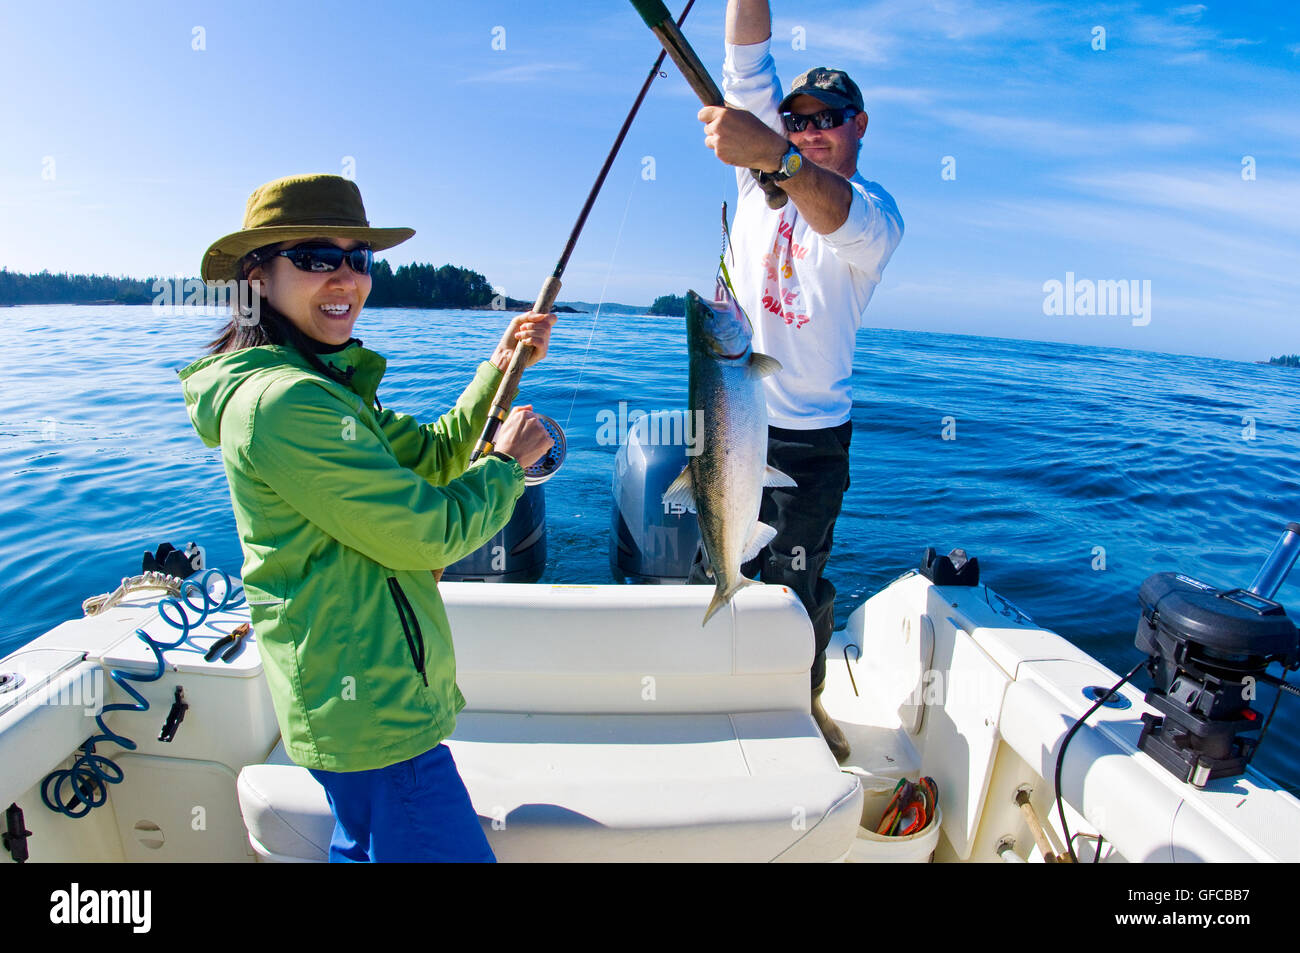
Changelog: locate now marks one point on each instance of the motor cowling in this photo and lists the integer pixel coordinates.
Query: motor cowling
(651, 541)
(517, 553)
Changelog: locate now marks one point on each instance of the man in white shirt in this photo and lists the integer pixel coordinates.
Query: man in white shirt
(804, 274)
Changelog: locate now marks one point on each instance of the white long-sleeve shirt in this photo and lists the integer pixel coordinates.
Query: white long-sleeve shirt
(805, 293)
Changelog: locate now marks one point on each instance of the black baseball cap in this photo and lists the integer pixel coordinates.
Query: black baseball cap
(831, 86)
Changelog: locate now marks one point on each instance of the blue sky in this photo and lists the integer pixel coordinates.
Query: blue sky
(128, 151)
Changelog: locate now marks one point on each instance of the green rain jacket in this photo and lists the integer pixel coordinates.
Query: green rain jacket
(343, 512)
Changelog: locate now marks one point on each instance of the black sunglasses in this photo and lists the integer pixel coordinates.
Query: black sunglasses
(826, 119)
(325, 257)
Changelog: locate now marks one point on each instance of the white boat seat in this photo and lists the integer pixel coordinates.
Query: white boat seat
(605, 723)
(759, 786)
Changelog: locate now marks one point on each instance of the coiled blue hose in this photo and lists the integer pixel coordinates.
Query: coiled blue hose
(91, 773)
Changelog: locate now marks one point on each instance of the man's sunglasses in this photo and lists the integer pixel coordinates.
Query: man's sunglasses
(326, 257)
(826, 119)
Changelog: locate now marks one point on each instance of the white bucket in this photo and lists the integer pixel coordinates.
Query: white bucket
(873, 848)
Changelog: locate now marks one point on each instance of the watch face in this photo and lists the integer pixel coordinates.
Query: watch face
(790, 163)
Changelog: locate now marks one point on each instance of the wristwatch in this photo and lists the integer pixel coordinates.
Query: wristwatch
(501, 456)
(791, 163)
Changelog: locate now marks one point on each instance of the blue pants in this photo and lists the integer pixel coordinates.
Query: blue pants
(415, 810)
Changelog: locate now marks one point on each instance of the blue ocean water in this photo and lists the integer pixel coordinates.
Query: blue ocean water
(1072, 472)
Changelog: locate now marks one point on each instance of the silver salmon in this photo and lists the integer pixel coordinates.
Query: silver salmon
(724, 481)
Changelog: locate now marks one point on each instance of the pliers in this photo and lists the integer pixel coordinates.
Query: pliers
(232, 643)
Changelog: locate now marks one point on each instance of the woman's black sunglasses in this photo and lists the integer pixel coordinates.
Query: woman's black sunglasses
(826, 119)
(325, 257)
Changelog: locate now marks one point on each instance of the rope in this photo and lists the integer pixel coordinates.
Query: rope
(149, 580)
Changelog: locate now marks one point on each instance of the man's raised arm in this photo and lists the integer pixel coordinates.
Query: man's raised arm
(748, 22)
(741, 139)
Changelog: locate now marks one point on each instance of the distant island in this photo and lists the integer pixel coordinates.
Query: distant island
(1286, 360)
(410, 286)
(671, 305)
(593, 306)
(45, 288)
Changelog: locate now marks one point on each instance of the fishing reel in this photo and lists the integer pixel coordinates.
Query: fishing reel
(546, 467)
(1208, 651)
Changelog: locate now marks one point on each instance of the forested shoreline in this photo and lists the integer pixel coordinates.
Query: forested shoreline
(410, 286)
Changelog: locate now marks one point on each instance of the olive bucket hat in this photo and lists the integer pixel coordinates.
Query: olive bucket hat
(297, 206)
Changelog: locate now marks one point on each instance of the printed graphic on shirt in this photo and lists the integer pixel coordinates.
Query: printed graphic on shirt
(781, 293)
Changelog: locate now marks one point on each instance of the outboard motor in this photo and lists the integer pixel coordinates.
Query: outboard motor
(650, 541)
(1209, 649)
(515, 554)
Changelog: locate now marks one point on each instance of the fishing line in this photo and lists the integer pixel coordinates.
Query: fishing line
(618, 239)
(509, 386)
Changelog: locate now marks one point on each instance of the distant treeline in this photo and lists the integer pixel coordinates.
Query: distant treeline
(45, 288)
(672, 305)
(1286, 360)
(424, 286)
(411, 286)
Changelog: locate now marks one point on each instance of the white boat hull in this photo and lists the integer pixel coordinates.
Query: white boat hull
(604, 724)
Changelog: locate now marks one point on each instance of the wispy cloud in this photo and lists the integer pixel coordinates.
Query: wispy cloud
(1182, 31)
(880, 32)
(1285, 124)
(888, 31)
(908, 95)
(1194, 247)
(1262, 203)
(955, 287)
(522, 73)
(1045, 134)
(838, 42)
(1187, 59)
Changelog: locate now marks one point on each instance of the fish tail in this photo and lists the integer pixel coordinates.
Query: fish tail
(722, 597)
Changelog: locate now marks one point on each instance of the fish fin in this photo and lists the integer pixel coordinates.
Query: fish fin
(763, 364)
(721, 598)
(760, 537)
(681, 490)
(774, 477)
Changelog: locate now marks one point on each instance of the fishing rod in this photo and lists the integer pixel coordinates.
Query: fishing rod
(508, 389)
(657, 18)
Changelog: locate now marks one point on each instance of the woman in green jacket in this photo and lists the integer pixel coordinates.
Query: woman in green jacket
(346, 511)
